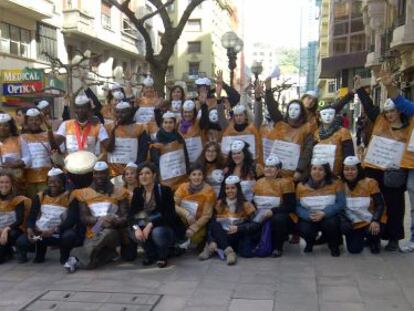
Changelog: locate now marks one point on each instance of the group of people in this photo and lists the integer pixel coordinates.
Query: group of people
(221, 175)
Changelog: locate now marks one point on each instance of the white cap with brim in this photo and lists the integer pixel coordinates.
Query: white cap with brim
(116, 86)
(352, 161)
(272, 160)
(55, 172)
(188, 105)
(319, 161)
(237, 146)
(148, 81)
(80, 162)
(238, 109)
(389, 105)
(168, 115)
(203, 81)
(5, 117)
(100, 166)
(122, 105)
(118, 95)
(81, 100)
(32, 112)
(131, 165)
(232, 180)
(42, 104)
(311, 93)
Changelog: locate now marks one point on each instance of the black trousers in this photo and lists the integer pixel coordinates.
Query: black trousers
(329, 226)
(395, 202)
(355, 239)
(7, 249)
(282, 226)
(65, 241)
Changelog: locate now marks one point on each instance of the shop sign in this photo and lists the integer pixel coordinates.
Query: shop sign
(21, 81)
(15, 89)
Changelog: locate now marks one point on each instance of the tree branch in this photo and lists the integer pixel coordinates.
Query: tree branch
(161, 8)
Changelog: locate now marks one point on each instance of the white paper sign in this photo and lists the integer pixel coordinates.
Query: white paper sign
(126, 150)
(7, 218)
(190, 206)
(266, 202)
(40, 155)
(172, 164)
(358, 208)
(194, 148)
(288, 153)
(247, 189)
(267, 147)
(72, 144)
(227, 140)
(410, 146)
(100, 209)
(229, 221)
(144, 115)
(50, 216)
(318, 203)
(384, 152)
(325, 152)
(10, 157)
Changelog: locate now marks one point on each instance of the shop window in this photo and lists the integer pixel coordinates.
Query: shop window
(194, 47)
(46, 41)
(15, 40)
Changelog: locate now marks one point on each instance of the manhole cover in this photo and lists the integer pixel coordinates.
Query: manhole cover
(91, 301)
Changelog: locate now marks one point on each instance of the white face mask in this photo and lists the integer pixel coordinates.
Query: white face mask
(328, 115)
(294, 111)
(176, 105)
(213, 116)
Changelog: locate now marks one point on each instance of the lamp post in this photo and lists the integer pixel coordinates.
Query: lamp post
(233, 44)
(256, 69)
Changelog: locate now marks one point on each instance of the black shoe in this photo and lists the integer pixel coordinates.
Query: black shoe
(277, 253)
(308, 248)
(392, 246)
(335, 252)
(162, 263)
(148, 262)
(375, 248)
(321, 240)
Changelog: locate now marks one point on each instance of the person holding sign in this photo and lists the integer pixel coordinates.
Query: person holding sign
(190, 128)
(241, 129)
(128, 141)
(147, 102)
(84, 132)
(320, 200)
(152, 219)
(169, 153)
(194, 202)
(333, 142)
(364, 211)
(274, 198)
(212, 161)
(13, 211)
(176, 100)
(53, 221)
(204, 93)
(231, 228)
(240, 163)
(38, 142)
(102, 209)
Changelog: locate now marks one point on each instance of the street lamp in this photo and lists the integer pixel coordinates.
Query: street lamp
(256, 69)
(233, 44)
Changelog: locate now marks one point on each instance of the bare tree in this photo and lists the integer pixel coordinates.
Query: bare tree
(158, 62)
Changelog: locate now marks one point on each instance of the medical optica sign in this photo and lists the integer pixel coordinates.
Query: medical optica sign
(21, 82)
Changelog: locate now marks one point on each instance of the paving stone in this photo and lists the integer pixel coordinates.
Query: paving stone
(249, 305)
(343, 306)
(171, 303)
(254, 291)
(379, 289)
(388, 305)
(179, 288)
(339, 294)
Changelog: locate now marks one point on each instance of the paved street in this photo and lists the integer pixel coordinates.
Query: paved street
(295, 282)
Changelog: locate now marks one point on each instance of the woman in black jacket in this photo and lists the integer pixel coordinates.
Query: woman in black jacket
(152, 217)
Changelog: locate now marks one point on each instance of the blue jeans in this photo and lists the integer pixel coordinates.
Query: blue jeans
(410, 189)
(158, 245)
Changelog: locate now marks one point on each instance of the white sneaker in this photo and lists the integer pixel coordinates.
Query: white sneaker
(71, 264)
(407, 248)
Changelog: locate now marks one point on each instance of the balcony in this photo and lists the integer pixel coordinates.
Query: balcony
(403, 36)
(78, 23)
(373, 60)
(34, 9)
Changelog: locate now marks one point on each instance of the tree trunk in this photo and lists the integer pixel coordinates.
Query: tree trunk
(159, 71)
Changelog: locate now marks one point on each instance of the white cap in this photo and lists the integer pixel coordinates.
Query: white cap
(319, 161)
(203, 81)
(131, 165)
(168, 115)
(118, 95)
(80, 162)
(100, 166)
(42, 104)
(239, 108)
(237, 146)
(311, 93)
(81, 100)
(389, 105)
(188, 105)
(54, 172)
(116, 86)
(5, 117)
(351, 161)
(123, 105)
(32, 112)
(148, 81)
(232, 180)
(272, 160)
(213, 115)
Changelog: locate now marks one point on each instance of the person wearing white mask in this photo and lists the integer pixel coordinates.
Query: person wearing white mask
(332, 141)
(148, 101)
(114, 97)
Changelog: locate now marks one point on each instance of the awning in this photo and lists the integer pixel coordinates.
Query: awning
(332, 65)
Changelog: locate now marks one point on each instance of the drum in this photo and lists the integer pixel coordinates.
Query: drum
(79, 166)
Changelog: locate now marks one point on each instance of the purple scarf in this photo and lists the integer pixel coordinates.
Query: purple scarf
(185, 125)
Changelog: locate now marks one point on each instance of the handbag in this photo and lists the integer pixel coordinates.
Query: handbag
(395, 178)
(264, 248)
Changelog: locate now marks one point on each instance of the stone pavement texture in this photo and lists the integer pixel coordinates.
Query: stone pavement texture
(295, 282)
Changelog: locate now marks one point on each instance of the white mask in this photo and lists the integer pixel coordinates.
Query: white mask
(294, 111)
(176, 105)
(217, 176)
(328, 115)
(213, 116)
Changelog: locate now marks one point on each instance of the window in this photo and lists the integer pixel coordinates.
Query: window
(357, 43)
(193, 68)
(46, 41)
(357, 25)
(128, 27)
(14, 40)
(194, 47)
(340, 29)
(193, 25)
(401, 9)
(106, 15)
(356, 9)
(341, 11)
(339, 46)
(332, 87)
